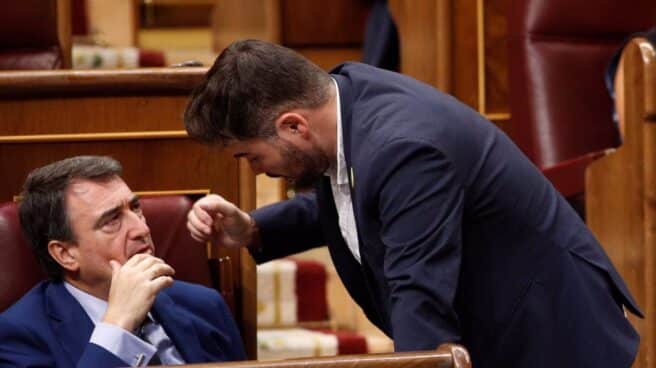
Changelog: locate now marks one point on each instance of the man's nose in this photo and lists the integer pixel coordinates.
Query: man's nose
(137, 225)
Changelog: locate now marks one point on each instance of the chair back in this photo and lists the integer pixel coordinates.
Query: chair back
(35, 34)
(559, 50)
(166, 217)
(19, 269)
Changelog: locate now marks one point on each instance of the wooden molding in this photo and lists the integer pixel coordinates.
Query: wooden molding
(62, 83)
(89, 137)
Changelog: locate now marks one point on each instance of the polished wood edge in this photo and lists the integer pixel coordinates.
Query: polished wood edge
(459, 355)
(64, 32)
(497, 116)
(61, 83)
(444, 47)
(648, 53)
(454, 355)
(480, 57)
(321, 325)
(86, 137)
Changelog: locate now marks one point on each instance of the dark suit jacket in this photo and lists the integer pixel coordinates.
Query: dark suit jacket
(461, 237)
(49, 328)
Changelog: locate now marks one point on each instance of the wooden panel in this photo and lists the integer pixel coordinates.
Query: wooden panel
(620, 194)
(465, 52)
(425, 30)
(175, 14)
(314, 23)
(114, 22)
(147, 165)
(459, 47)
(130, 117)
(329, 57)
(242, 19)
(91, 114)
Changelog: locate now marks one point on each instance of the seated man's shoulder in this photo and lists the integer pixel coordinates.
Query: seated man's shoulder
(30, 306)
(29, 313)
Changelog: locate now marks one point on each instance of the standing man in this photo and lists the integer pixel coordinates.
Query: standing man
(440, 228)
(109, 302)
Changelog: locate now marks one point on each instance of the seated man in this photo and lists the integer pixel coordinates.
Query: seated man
(109, 302)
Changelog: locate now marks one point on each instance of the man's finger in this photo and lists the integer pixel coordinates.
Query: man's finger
(161, 269)
(197, 235)
(194, 223)
(161, 282)
(214, 204)
(200, 214)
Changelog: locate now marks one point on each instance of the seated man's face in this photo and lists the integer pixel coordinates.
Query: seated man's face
(107, 222)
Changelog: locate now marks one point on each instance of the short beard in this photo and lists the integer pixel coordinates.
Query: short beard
(313, 164)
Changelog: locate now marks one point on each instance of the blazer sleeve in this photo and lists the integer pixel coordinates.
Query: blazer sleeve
(420, 206)
(288, 227)
(21, 347)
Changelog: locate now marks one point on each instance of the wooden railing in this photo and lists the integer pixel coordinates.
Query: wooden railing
(621, 191)
(446, 356)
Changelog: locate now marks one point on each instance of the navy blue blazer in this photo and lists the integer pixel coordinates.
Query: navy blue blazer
(49, 328)
(462, 239)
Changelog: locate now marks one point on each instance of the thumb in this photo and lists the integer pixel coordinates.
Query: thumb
(216, 205)
(115, 265)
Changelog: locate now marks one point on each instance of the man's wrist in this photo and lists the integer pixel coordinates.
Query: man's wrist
(255, 244)
(127, 324)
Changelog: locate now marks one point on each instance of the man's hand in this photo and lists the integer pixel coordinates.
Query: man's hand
(214, 218)
(134, 288)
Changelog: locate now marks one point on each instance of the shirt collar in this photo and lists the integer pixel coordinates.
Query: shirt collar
(342, 172)
(94, 307)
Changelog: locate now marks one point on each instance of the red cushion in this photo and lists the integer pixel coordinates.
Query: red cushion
(311, 291)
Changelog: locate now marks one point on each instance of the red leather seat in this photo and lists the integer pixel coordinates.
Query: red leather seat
(19, 269)
(559, 49)
(32, 35)
(166, 217)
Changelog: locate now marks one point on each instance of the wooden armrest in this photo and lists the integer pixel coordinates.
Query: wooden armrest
(446, 356)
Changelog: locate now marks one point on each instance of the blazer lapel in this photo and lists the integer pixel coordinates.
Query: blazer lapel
(345, 102)
(181, 330)
(69, 321)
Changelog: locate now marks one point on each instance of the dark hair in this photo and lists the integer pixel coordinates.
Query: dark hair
(249, 85)
(42, 208)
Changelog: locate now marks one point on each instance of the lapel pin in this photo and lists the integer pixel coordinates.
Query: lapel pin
(352, 178)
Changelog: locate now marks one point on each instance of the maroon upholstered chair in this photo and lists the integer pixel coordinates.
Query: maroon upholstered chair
(35, 34)
(559, 49)
(19, 270)
(166, 217)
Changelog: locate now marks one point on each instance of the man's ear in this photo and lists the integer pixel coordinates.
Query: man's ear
(291, 125)
(64, 253)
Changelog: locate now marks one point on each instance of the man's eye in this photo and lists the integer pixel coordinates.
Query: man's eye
(112, 224)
